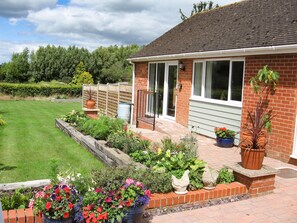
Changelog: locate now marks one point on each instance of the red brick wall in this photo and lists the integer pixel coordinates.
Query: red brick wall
(141, 78)
(283, 102)
(183, 102)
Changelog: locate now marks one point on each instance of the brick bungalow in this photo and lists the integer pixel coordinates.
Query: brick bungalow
(201, 69)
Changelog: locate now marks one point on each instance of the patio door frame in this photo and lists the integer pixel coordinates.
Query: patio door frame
(165, 90)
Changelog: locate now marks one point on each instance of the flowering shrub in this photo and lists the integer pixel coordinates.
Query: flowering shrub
(55, 201)
(75, 118)
(101, 205)
(224, 132)
(135, 193)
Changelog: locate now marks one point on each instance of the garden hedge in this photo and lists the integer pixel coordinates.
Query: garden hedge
(31, 90)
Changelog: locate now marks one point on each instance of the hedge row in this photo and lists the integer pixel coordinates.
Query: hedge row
(31, 90)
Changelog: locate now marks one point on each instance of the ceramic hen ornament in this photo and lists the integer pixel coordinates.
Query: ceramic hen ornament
(180, 185)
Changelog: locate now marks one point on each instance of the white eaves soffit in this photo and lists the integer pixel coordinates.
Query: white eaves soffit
(282, 49)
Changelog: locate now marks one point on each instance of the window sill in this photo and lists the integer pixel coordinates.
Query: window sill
(218, 102)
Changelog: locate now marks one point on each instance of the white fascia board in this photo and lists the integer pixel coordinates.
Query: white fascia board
(283, 49)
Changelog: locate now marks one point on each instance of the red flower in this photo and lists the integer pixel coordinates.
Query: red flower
(129, 202)
(57, 191)
(47, 196)
(59, 198)
(94, 220)
(48, 205)
(88, 220)
(100, 209)
(70, 205)
(66, 215)
(98, 190)
(85, 214)
(89, 207)
(105, 215)
(67, 196)
(67, 190)
(92, 215)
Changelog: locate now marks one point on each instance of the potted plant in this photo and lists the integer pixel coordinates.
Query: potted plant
(138, 196)
(225, 137)
(254, 136)
(56, 203)
(90, 103)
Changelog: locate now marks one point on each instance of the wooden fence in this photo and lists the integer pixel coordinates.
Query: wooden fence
(107, 96)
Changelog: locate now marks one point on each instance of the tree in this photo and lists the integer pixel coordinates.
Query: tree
(197, 8)
(81, 76)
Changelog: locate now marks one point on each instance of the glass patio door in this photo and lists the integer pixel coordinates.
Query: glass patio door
(171, 92)
(163, 79)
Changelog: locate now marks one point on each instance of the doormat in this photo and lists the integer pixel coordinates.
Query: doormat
(287, 173)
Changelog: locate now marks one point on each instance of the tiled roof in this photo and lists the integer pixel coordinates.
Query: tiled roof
(246, 24)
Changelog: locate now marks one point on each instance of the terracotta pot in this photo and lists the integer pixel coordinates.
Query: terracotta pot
(90, 104)
(252, 158)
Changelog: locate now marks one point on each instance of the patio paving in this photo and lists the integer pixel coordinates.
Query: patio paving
(278, 207)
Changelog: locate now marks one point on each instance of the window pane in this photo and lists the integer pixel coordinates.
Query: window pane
(152, 75)
(236, 80)
(217, 80)
(198, 79)
(160, 87)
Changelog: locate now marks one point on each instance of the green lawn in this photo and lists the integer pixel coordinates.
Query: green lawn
(30, 142)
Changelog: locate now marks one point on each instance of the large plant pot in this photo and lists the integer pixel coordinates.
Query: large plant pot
(90, 104)
(45, 219)
(134, 214)
(225, 142)
(252, 158)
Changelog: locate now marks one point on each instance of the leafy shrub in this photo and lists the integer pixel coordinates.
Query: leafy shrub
(75, 118)
(127, 142)
(102, 127)
(18, 199)
(174, 158)
(32, 90)
(156, 182)
(225, 176)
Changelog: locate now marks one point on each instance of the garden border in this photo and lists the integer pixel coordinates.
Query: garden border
(110, 156)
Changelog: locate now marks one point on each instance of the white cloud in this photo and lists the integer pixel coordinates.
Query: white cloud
(20, 8)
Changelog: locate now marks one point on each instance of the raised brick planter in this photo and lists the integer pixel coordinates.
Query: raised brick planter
(258, 182)
(157, 201)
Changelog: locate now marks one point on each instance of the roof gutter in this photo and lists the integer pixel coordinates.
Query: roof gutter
(222, 53)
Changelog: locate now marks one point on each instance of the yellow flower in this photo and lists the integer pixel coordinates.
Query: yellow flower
(168, 153)
(159, 151)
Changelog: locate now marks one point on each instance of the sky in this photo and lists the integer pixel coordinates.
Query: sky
(86, 23)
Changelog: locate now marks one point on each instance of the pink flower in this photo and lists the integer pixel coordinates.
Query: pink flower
(138, 184)
(98, 190)
(129, 181)
(108, 199)
(39, 194)
(148, 193)
(31, 203)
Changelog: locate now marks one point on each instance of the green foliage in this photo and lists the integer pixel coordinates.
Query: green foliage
(156, 182)
(199, 7)
(75, 118)
(265, 80)
(174, 158)
(17, 69)
(101, 128)
(19, 199)
(25, 90)
(81, 76)
(223, 132)
(2, 121)
(106, 64)
(126, 141)
(225, 176)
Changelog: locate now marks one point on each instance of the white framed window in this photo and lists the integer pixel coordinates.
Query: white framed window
(218, 81)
